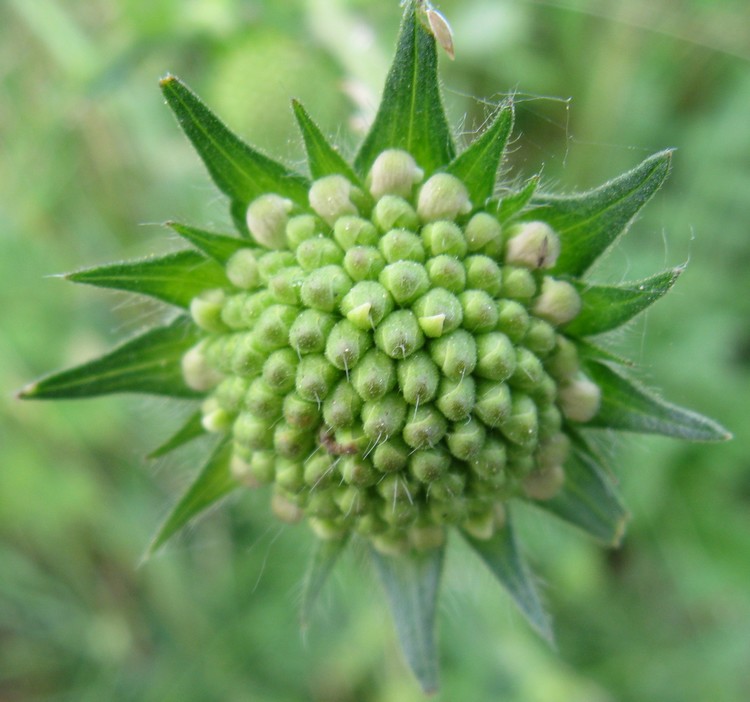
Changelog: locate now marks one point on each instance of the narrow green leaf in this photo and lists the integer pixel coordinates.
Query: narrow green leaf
(589, 351)
(511, 204)
(238, 170)
(411, 115)
(321, 564)
(606, 307)
(588, 500)
(411, 584)
(219, 247)
(148, 363)
(322, 157)
(503, 557)
(191, 429)
(477, 166)
(213, 482)
(175, 278)
(588, 223)
(629, 406)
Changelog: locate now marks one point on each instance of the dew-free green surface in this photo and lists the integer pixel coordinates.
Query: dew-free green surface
(91, 158)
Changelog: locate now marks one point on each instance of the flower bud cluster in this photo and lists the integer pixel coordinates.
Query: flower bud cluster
(392, 361)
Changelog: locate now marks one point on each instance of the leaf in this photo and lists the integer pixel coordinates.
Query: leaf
(590, 222)
(477, 165)
(175, 278)
(322, 158)
(238, 170)
(588, 350)
(411, 115)
(411, 585)
(503, 557)
(213, 482)
(629, 406)
(511, 204)
(218, 246)
(148, 363)
(606, 307)
(321, 564)
(588, 500)
(191, 429)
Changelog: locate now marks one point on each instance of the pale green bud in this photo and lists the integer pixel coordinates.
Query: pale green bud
(354, 231)
(443, 196)
(346, 345)
(246, 358)
(384, 417)
(489, 463)
(292, 443)
(215, 419)
(366, 304)
(496, 356)
(402, 245)
(263, 401)
(242, 269)
(323, 509)
(455, 353)
(558, 303)
(563, 364)
(286, 285)
(310, 330)
(262, 466)
(253, 306)
(425, 538)
(391, 455)
(482, 229)
(375, 375)
(399, 514)
(301, 228)
(280, 369)
(353, 501)
(545, 391)
(532, 245)
(466, 439)
(205, 309)
(482, 273)
(197, 372)
(540, 338)
(518, 283)
(529, 371)
(285, 509)
(392, 212)
(252, 432)
(550, 421)
(438, 312)
(444, 237)
(324, 288)
(399, 334)
(418, 378)
(319, 471)
(230, 393)
(240, 471)
(233, 311)
(318, 252)
(513, 319)
(315, 377)
(358, 472)
(429, 465)
(493, 403)
(580, 399)
(449, 488)
(405, 280)
(390, 544)
(267, 217)
(273, 262)
(342, 407)
(481, 526)
(544, 483)
(456, 398)
(394, 172)
(425, 427)
(271, 331)
(290, 476)
(522, 426)
(446, 272)
(300, 413)
(363, 263)
(331, 198)
(479, 311)
(553, 451)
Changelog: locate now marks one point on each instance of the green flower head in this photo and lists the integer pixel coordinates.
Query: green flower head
(396, 347)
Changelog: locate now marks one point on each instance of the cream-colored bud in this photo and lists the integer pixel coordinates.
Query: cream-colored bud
(242, 473)
(197, 372)
(580, 399)
(215, 418)
(331, 198)
(443, 196)
(266, 218)
(394, 172)
(545, 483)
(205, 309)
(242, 269)
(533, 245)
(558, 302)
(285, 509)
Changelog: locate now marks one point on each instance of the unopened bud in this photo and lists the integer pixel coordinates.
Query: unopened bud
(315, 377)
(392, 212)
(493, 403)
(375, 375)
(310, 330)
(205, 309)
(540, 338)
(363, 263)
(346, 344)
(331, 198)
(246, 359)
(405, 280)
(399, 334)
(267, 217)
(300, 228)
(263, 401)
(447, 272)
(529, 371)
(273, 262)
(444, 238)
(418, 378)
(230, 393)
(242, 269)
(496, 356)
(455, 353)
(342, 407)
(438, 312)
(366, 304)
(558, 303)
(532, 245)
(197, 371)
(352, 231)
(286, 285)
(481, 230)
(482, 273)
(394, 172)
(324, 288)
(358, 472)
(300, 413)
(544, 483)
(292, 443)
(391, 455)
(580, 399)
(513, 319)
(384, 417)
(402, 245)
(280, 369)
(271, 331)
(466, 439)
(215, 418)
(262, 466)
(553, 451)
(352, 501)
(490, 462)
(317, 252)
(456, 398)
(443, 196)
(429, 465)
(252, 432)
(285, 509)
(481, 526)
(518, 283)
(425, 427)
(522, 426)
(479, 311)
(563, 362)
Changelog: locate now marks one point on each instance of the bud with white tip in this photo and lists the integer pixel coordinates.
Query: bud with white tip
(197, 372)
(331, 198)
(394, 172)
(443, 196)
(558, 303)
(580, 399)
(267, 217)
(533, 245)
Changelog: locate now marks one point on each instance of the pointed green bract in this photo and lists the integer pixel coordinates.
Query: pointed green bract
(590, 351)
(503, 557)
(322, 158)
(629, 406)
(148, 363)
(175, 278)
(477, 166)
(589, 223)
(606, 307)
(411, 584)
(191, 429)
(510, 205)
(219, 247)
(588, 500)
(239, 171)
(411, 115)
(213, 482)
(326, 555)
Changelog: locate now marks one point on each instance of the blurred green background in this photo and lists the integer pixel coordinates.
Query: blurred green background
(91, 161)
